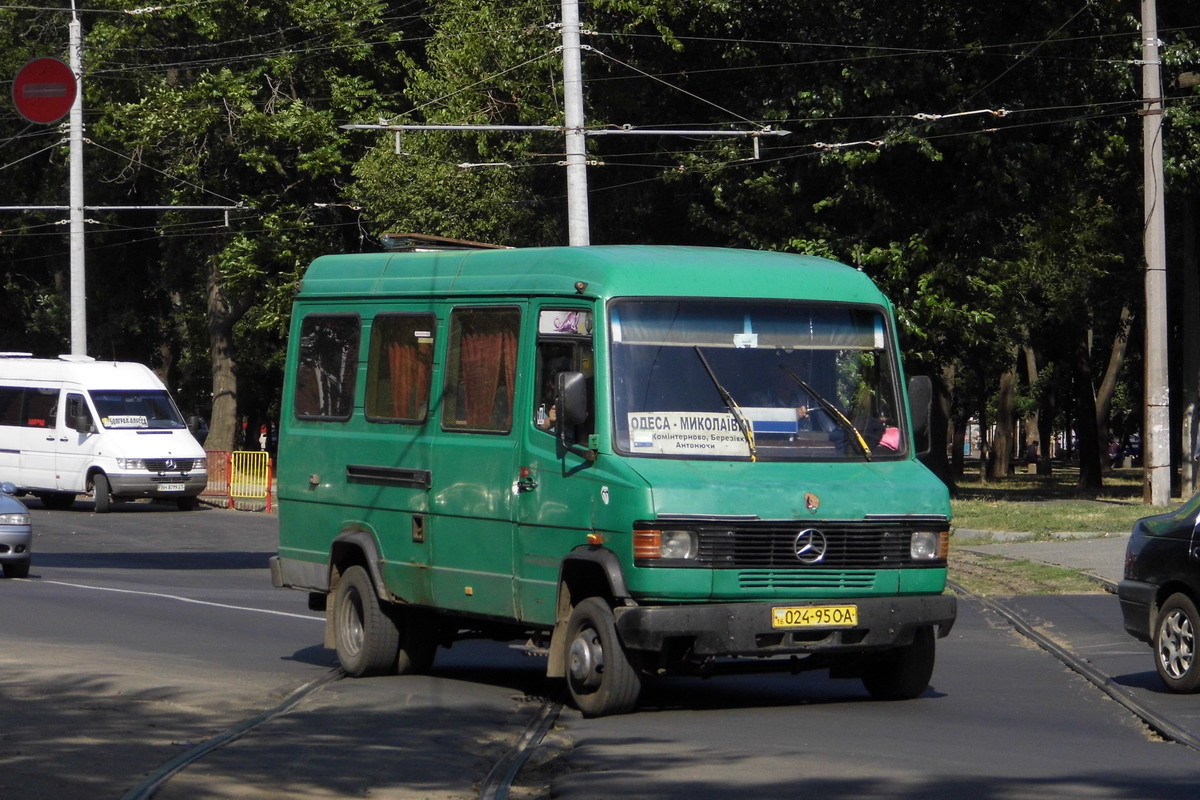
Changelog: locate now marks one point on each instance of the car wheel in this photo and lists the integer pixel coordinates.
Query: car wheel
(16, 569)
(367, 640)
(600, 677)
(186, 503)
(102, 493)
(903, 673)
(1175, 644)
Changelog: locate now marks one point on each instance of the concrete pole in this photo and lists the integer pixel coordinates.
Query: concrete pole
(577, 198)
(1156, 455)
(78, 291)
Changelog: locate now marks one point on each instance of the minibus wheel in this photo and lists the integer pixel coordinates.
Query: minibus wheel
(903, 673)
(102, 493)
(599, 674)
(366, 638)
(56, 501)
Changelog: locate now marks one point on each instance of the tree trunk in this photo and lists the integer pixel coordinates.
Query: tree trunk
(1002, 446)
(1108, 386)
(224, 432)
(1091, 476)
(1033, 434)
(1190, 350)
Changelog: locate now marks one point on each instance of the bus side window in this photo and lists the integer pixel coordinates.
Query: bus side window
(79, 416)
(328, 360)
(481, 366)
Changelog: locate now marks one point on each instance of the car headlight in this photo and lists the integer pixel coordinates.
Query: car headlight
(658, 544)
(131, 463)
(929, 545)
(14, 519)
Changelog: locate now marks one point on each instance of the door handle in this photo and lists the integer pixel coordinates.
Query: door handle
(525, 481)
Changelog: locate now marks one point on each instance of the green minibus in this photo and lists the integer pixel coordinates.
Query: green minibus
(640, 460)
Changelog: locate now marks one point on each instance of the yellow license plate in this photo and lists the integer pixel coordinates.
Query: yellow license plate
(814, 617)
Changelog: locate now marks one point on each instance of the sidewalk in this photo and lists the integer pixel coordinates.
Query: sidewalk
(1101, 556)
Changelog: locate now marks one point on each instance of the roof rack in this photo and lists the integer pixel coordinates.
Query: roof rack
(13, 354)
(423, 243)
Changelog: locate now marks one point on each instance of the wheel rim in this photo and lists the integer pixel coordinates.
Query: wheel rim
(352, 623)
(587, 659)
(1176, 644)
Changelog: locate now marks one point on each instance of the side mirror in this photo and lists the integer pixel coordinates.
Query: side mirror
(8, 487)
(920, 404)
(83, 424)
(571, 398)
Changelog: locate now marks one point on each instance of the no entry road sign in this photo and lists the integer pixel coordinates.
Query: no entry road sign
(44, 90)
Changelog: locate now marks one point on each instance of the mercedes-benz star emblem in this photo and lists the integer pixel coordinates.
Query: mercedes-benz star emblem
(809, 546)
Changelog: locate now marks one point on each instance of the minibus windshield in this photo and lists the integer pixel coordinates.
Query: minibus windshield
(755, 380)
(136, 409)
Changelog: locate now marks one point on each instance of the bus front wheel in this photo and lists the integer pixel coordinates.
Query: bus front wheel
(903, 673)
(600, 676)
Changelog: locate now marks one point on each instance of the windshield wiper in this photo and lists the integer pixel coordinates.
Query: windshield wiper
(732, 405)
(832, 410)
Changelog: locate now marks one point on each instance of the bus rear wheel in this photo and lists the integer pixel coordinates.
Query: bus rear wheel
(600, 677)
(366, 638)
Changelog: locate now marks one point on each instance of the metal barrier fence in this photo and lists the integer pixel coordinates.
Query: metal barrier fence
(243, 477)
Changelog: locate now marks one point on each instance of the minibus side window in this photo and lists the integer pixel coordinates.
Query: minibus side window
(564, 345)
(328, 358)
(41, 408)
(481, 365)
(79, 416)
(10, 405)
(399, 367)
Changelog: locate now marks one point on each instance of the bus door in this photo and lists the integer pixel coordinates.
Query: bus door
(554, 495)
(474, 463)
(78, 437)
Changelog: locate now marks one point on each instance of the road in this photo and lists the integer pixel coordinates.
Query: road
(147, 631)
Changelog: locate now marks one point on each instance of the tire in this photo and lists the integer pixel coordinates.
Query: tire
(186, 503)
(417, 640)
(102, 493)
(1175, 655)
(903, 673)
(600, 677)
(366, 638)
(16, 569)
(56, 501)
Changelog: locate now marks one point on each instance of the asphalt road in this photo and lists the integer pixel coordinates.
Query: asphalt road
(143, 633)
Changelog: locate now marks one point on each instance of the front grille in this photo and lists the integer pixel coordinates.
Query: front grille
(170, 464)
(869, 544)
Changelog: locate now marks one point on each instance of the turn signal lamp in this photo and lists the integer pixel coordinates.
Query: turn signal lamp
(657, 544)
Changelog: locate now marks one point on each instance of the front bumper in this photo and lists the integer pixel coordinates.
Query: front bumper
(154, 485)
(744, 629)
(16, 542)
(1138, 605)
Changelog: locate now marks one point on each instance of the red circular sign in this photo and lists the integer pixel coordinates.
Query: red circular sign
(44, 90)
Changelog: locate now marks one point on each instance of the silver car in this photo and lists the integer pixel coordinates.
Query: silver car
(16, 534)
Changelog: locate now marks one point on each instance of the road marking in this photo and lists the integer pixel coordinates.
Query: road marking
(184, 600)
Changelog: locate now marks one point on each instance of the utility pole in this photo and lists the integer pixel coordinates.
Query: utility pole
(573, 128)
(1156, 434)
(78, 289)
(578, 225)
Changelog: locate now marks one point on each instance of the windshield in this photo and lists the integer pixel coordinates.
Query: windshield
(136, 409)
(755, 379)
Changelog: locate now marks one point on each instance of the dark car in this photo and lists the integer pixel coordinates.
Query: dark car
(1161, 591)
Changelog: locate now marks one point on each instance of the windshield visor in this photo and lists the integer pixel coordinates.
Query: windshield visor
(136, 410)
(762, 380)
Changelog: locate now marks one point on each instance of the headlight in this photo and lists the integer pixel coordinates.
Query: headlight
(929, 545)
(14, 519)
(131, 463)
(658, 544)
